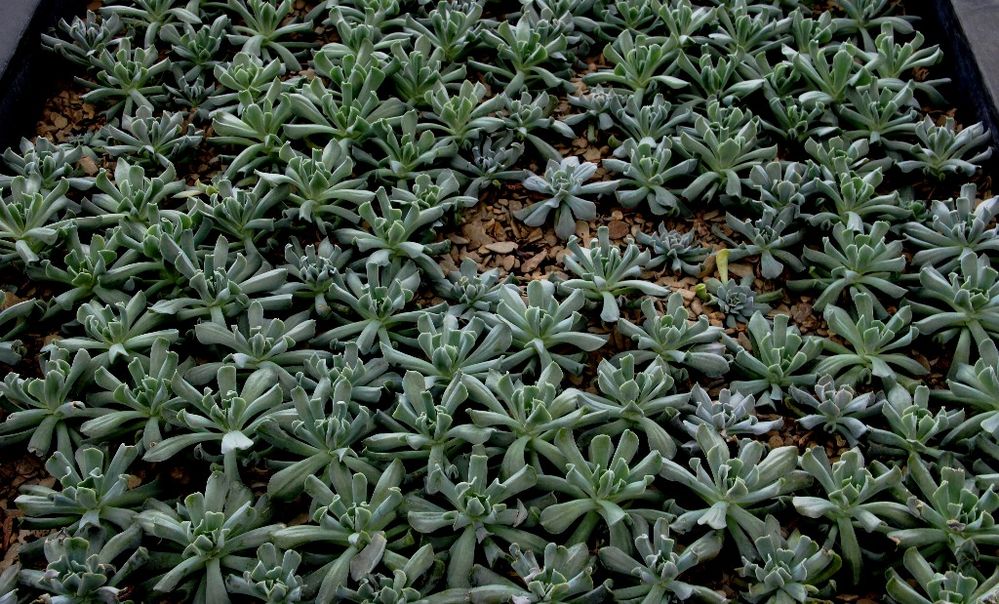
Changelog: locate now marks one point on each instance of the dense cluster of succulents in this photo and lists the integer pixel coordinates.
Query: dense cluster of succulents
(243, 279)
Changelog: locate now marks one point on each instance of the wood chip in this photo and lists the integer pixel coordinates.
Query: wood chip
(501, 247)
(618, 229)
(89, 166)
(533, 262)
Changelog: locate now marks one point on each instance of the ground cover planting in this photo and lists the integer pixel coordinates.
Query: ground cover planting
(394, 301)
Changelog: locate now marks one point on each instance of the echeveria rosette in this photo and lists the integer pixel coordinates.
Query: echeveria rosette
(565, 574)
(564, 183)
(734, 489)
(931, 585)
(659, 564)
(779, 358)
(230, 414)
(321, 432)
(272, 579)
(45, 411)
(977, 388)
(95, 492)
(915, 429)
(964, 305)
(853, 497)
(873, 346)
(766, 237)
(204, 534)
(837, 409)
(360, 524)
(731, 414)
(674, 251)
(89, 566)
(855, 262)
(258, 343)
(675, 341)
(787, 570)
(425, 425)
(647, 174)
(608, 486)
(642, 401)
(483, 513)
(953, 229)
(605, 272)
(544, 328)
(943, 150)
(453, 350)
(525, 417)
(956, 516)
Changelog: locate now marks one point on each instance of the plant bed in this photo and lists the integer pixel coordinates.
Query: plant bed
(416, 302)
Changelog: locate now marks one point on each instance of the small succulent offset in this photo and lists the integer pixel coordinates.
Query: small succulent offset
(605, 273)
(735, 298)
(564, 182)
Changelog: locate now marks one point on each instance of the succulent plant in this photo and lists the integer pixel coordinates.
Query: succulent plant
(953, 229)
(853, 498)
(486, 513)
(858, 263)
(205, 532)
(543, 327)
(837, 409)
(779, 358)
(677, 252)
(92, 567)
(605, 273)
(565, 184)
(632, 400)
(605, 487)
(943, 150)
(734, 489)
(789, 569)
(961, 306)
(647, 173)
(730, 415)
(950, 586)
(662, 563)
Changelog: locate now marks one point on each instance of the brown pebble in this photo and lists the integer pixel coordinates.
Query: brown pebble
(533, 262)
(501, 247)
(618, 229)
